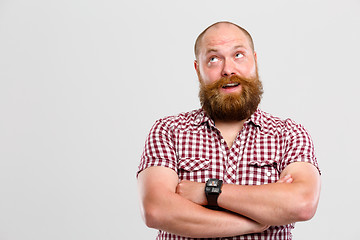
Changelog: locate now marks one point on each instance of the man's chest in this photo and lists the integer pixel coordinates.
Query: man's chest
(253, 158)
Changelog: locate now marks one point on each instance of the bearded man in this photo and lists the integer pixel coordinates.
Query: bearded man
(228, 170)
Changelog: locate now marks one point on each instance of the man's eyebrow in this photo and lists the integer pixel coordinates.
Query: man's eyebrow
(210, 50)
(239, 46)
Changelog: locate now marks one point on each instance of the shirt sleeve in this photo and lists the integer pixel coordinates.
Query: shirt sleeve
(298, 147)
(159, 148)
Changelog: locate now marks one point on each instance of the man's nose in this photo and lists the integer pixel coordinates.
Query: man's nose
(229, 68)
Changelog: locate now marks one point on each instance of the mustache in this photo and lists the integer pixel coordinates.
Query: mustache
(235, 79)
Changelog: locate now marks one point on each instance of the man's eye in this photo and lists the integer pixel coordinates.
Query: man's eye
(213, 59)
(239, 55)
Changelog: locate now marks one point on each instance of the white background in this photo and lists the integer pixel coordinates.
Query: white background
(82, 82)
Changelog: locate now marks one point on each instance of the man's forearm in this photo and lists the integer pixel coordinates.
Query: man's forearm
(273, 204)
(276, 203)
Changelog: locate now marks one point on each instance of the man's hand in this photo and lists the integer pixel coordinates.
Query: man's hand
(285, 179)
(195, 191)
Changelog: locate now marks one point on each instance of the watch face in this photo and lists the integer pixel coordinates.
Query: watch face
(212, 183)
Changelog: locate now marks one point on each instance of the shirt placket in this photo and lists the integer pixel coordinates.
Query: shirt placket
(229, 157)
(232, 163)
(221, 153)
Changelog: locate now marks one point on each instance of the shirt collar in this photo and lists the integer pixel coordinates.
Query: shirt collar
(256, 118)
(202, 117)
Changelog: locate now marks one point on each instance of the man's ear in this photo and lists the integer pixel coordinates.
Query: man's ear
(196, 65)
(255, 56)
(197, 69)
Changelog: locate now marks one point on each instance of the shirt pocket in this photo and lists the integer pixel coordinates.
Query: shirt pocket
(262, 172)
(194, 169)
(262, 163)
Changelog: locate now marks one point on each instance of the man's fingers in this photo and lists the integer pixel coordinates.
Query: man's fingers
(286, 179)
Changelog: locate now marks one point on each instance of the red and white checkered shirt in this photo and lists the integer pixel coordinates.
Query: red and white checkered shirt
(193, 147)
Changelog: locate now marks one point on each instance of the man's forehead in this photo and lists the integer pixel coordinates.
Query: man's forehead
(216, 43)
(224, 35)
(233, 42)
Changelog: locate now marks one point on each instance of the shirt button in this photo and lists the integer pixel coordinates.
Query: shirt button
(222, 140)
(268, 174)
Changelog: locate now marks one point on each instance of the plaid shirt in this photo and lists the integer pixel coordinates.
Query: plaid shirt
(193, 147)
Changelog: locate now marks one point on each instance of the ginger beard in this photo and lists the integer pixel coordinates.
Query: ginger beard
(231, 106)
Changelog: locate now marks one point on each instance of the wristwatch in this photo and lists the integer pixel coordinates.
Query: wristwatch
(212, 191)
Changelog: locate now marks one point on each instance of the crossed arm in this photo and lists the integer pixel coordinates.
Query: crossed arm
(162, 208)
(177, 207)
(271, 204)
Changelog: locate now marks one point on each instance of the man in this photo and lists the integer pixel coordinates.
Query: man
(228, 169)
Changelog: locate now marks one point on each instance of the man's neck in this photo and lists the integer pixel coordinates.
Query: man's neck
(229, 130)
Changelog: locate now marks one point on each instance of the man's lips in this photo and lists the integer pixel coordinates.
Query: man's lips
(230, 85)
(231, 88)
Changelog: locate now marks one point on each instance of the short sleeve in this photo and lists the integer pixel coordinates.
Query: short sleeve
(159, 148)
(298, 147)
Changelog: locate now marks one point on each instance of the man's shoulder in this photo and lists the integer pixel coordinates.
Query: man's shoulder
(182, 119)
(269, 122)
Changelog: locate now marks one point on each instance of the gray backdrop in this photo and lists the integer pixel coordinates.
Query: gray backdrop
(82, 82)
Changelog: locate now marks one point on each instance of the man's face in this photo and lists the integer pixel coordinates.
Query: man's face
(229, 85)
(225, 51)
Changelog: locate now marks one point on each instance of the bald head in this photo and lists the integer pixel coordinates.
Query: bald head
(213, 28)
